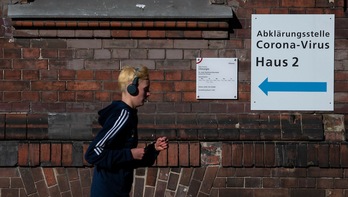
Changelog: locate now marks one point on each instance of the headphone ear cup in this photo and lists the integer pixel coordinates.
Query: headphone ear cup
(132, 88)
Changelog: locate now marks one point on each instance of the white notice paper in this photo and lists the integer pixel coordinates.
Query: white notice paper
(216, 78)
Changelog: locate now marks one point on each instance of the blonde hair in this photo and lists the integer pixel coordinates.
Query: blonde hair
(128, 74)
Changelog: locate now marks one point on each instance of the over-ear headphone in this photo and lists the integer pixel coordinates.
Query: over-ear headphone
(132, 88)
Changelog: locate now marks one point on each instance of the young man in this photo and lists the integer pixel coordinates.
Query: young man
(114, 151)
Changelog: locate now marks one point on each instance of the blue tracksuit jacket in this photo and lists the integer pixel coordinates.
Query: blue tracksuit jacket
(110, 151)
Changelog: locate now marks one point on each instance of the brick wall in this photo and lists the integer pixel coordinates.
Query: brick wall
(56, 74)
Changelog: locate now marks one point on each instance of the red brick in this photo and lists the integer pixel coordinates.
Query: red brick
(340, 183)
(48, 85)
(192, 44)
(12, 74)
(49, 176)
(172, 97)
(28, 180)
(83, 33)
(156, 34)
(102, 96)
(253, 182)
(30, 75)
(14, 85)
(12, 53)
(323, 156)
(259, 154)
(183, 154)
(110, 86)
(85, 176)
(157, 75)
(183, 86)
(65, 53)
(289, 183)
(343, 153)
(16, 182)
(325, 183)
(263, 11)
(85, 96)
(235, 192)
(209, 179)
(80, 85)
(63, 182)
(67, 96)
(30, 64)
(173, 181)
(9, 192)
(48, 33)
(189, 97)
(186, 175)
(45, 153)
(5, 63)
(334, 155)
(307, 192)
(49, 96)
(271, 192)
(9, 172)
(297, 3)
(248, 154)
(341, 86)
(67, 74)
(151, 177)
(76, 189)
(237, 154)
(31, 52)
(23, 154)
(56, 154)
(138, 33)
(195, 153)
(325, 172)
(42, 188)
(270, 182)
(307, 182)
(34, 154)
(12, 97)
(337, 192)
(162, 159)
(67, 154)
(193, 34)
(226, 154)
(54, 191)
(23, 107)
(49, 74)
(103, 75)
(173, 152)
(215, 34)
(102, 33)
(269, 159)
(82, 43)
(162, 87)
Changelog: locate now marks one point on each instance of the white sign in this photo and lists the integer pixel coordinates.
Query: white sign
(292, 65)
(216, 78)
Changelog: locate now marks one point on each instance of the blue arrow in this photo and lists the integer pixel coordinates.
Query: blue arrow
(266, 86)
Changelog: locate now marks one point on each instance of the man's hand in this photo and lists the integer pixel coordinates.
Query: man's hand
(161, 143)
(138, 153)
